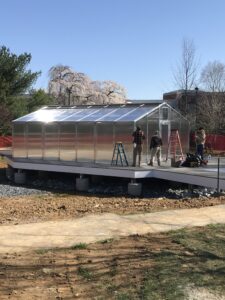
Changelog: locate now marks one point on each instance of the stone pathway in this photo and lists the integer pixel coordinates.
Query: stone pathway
(93, 228)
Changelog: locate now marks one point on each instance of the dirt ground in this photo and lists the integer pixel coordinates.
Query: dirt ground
(99, 271)
(49, 207)
(68, 273)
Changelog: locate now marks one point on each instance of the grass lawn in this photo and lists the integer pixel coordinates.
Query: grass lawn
(166, 266)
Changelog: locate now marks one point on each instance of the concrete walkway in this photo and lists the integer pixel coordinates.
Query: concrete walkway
(94, 228)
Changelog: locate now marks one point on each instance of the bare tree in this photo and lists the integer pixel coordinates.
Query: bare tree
(70, 87)
(186, 71)
(211, 112)
(213, 77)
(211, 106)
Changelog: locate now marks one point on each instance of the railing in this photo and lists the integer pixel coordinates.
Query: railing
(220, 171)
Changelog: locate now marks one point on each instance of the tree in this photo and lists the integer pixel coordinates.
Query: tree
(211, 106)
(213, 77)
(186, 71)
(211, 112)
(37, 99)
(14, 78)
(5, 119)
(74, 88)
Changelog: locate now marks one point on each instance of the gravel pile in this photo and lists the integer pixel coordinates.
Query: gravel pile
(9, 190)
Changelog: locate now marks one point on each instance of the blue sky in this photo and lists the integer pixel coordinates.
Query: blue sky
(133, 42)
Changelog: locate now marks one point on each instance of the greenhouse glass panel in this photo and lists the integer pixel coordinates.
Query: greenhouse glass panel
(184, 135)
(142, 123)
(45, 115)
(85, 142)
(104, 142)
(25, 118)
(98, 114)
(34, 140)
(165, 129)
(67, 142)
(19, 140)
(123, 133)
(51, 141)
(80, 115)
(135, 115)
(68, 114)
(119, 112)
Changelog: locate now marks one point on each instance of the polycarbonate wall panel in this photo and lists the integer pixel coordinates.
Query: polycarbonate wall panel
(51, 141)
(164, 129)
(104, 142)
(185, 135)
(19, 140)
(142, 123)
(182, 125)
(67, 141)
(152, 126)
(34, 140)
(123, 133)
(85, 142)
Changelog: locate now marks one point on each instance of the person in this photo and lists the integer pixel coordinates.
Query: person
(200, 138)
(138, 137)
(155, 148)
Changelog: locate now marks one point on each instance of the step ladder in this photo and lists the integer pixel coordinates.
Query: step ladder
(174, 145)
(119, 155)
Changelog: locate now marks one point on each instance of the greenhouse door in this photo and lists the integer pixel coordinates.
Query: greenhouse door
(165, 134)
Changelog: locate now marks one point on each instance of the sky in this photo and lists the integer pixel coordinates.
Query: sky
(136, 43)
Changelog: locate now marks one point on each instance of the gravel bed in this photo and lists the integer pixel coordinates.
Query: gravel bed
(152, 188)
(9, 190)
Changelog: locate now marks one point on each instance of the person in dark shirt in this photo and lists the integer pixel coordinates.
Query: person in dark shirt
(155, 148)
(138, 137)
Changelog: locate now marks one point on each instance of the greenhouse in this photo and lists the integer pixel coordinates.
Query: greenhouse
(89, 133)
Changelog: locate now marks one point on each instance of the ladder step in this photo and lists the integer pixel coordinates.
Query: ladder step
(119, 155)
(174, 144)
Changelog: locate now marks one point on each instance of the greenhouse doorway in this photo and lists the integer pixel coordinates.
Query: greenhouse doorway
(165, 134)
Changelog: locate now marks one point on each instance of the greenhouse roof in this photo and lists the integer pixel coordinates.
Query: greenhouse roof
(109, 113)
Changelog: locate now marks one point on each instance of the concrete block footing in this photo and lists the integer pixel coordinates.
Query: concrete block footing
(9, 173)
(20, 178)
(134, 189)
(82, 184)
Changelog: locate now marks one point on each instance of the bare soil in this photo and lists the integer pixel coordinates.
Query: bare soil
(49, 207)
(99, 271)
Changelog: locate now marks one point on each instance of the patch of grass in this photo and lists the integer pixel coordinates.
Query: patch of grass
(199, 260)
(85, 273)
(124, 296)
(106, 241)
(42, 251)
(79, 246)
(113, 271)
